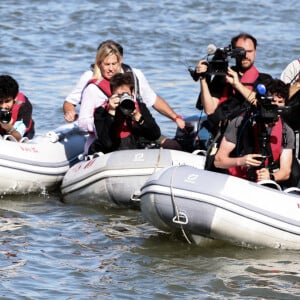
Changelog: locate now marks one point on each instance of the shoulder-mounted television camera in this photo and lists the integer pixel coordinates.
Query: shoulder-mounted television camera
(217, 61)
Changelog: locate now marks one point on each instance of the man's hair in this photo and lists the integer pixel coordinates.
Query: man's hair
(9, 87)
(244, 36)
(278, 87)
(120, 79)
(111, 42)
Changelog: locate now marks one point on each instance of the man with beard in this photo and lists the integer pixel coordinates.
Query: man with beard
(220, 100)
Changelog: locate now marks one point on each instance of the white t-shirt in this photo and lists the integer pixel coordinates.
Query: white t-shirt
(291, 73)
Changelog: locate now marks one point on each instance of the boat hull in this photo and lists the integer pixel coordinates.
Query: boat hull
(201, 203)
(38, 165)
(116, 178)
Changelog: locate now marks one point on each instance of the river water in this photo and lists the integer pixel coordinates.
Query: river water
(52, 250)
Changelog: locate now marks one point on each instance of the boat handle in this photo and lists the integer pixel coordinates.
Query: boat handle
(181, 218)
(136, 196)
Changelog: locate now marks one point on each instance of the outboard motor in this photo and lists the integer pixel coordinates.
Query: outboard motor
(194, 136)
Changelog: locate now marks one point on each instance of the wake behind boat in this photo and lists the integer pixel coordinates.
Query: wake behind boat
(39, 164)
(203, 204)
(116, 178)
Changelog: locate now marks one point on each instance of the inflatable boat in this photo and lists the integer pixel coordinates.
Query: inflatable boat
(205, 205)
(116, 178)
(38, 165)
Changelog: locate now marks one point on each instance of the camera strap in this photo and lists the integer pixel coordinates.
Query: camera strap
(137, 95)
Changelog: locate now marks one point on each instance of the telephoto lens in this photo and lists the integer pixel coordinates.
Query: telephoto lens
(127, 105)
(5, 116)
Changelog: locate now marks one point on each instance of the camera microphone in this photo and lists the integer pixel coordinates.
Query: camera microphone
(211, 49)
(261, 89)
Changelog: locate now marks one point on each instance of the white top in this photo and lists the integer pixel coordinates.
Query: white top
(291, 73)
(75, 96)
(92, 97)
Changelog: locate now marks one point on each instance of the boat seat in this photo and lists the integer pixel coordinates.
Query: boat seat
(292, 190)
(271, 184)
(13, 139)
(199, 152)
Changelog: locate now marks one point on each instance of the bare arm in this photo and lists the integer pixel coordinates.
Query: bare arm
(69, 111)
(294, 88)
(224, 161)
(209, 103)
(233, 79)
(165, 109)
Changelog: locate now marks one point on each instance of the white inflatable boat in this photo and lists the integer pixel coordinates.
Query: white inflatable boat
(202, 204)
(38, 165)
(114, 178)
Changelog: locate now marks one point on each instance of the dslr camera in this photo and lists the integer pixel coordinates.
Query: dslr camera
(127, 104)
(5, 116)
(218, 61)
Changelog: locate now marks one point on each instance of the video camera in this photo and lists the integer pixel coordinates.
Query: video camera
(217, 60)
(266, 111)
(5, 116)
(218, 64)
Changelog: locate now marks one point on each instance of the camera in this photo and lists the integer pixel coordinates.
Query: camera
(266, 111)
(5, 116)
(127, 104)
(218, 61)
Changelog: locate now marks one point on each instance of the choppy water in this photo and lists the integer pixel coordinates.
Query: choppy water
(49, 249)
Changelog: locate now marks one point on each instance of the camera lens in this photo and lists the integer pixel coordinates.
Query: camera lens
(5, 116)
(127, 105)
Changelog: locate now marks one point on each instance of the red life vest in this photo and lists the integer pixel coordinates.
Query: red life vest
(275, 143)
(123, 130)
(247, 79)
(103, 85)
(19, 101)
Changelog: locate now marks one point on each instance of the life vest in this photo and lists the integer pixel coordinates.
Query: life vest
(103, 85)
(247, 79)
(19, 101)
(275, 146)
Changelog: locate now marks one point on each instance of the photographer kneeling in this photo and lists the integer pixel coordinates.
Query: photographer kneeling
(121, 123)
(259, 145)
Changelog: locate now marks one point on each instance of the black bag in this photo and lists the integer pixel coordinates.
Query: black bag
(292, 118)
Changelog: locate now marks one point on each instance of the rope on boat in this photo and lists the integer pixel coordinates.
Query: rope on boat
(178, 215)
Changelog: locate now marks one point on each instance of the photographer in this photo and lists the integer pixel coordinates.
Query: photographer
(93, 89)
(221, 101)
(122, 122)
(260, 143)
(16, 110)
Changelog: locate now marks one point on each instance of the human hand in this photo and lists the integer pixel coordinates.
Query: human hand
(232, 77)
(71, 116)
(180, 123)
(252, 160)
(7, 126)
(202, 68)
(263, 174)
(114, 102)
